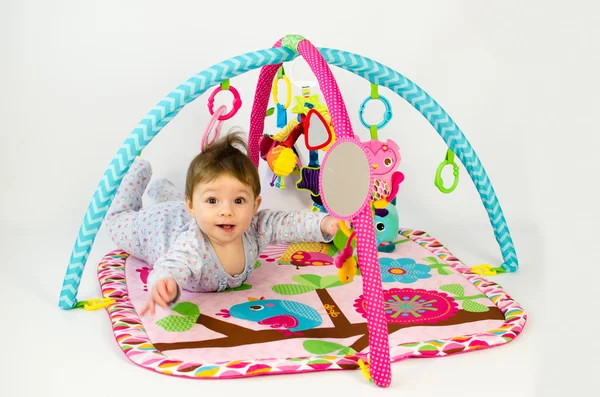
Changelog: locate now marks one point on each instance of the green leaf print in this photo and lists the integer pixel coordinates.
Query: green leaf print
(311, 280)
(189, 314)
(324, 347)
(187, 309)
(257, 264)
(346, 350)
(330, 281)
(177, 323)
(472, 306)
(442, 271)
(242, 287)
(292, 289)
(455, 289)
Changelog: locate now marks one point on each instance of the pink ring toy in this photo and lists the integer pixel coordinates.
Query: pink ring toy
(216, 117)
(237, 102)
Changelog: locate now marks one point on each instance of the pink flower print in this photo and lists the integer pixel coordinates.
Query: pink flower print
(416, 306)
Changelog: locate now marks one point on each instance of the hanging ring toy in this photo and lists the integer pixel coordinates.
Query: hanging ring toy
(275, 92)
(439, 182)
(237, 101)
(215, 118)
(387, 116)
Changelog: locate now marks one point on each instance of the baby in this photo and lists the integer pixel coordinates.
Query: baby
(209, 239)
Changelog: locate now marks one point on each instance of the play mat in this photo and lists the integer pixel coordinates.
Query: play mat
(295, 316)
(378, 293)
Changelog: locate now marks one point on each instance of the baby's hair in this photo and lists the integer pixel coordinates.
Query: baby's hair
(223, 157)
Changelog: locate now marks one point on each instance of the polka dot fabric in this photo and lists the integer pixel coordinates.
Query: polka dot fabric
(379, 352)
(259, 108)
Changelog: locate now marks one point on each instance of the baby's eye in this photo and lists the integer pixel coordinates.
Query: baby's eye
(212, 200)
(240, 200)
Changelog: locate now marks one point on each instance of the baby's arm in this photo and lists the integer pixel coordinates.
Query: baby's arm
(294, 226)
(172, 272)
(165, 282)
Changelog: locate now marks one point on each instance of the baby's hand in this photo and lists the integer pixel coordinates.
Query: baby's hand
(163, 292)
(329, 225)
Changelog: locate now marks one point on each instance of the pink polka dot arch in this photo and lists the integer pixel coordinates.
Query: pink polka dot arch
(345, 182)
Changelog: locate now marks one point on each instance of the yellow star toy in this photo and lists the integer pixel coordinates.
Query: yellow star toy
(301, 108)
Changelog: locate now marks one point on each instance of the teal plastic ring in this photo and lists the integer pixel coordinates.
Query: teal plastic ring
(387, 116)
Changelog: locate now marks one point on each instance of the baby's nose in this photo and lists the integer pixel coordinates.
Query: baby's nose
(226, 210)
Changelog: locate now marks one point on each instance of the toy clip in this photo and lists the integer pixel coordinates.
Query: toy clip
(94, 304)
(275, 90)
(439, 182)
(215, 118)
(487, 270)
(387, 115)
(281, 108)
(365, 369)
(237, 101)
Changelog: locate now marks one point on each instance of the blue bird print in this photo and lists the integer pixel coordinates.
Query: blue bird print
(278, 313)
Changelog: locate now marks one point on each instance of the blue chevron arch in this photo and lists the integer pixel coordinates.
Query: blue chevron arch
(159, 116)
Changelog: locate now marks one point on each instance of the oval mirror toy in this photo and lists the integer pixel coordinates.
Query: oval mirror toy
(345, 179)
(317, 133)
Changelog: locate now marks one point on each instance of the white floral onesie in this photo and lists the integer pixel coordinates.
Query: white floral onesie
(169, 239)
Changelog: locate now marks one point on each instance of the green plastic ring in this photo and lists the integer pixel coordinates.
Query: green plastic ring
(439, 182)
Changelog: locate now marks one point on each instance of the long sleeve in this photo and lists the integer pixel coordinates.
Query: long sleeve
(274, 227)
(177, 263)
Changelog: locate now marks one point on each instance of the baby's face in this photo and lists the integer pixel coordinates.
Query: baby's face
(223, 208)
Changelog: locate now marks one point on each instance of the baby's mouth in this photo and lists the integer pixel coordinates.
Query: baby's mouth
(226, 227)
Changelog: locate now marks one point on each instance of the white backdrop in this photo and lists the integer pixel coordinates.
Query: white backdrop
(519, 78)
